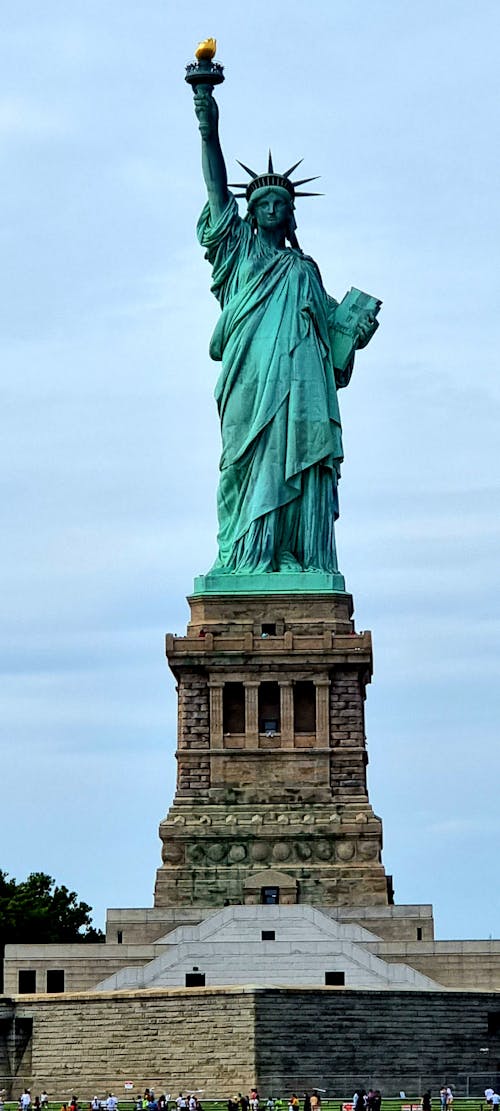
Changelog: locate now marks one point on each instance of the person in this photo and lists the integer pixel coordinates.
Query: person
(488, 1094)
(495, 1101)
(44, 1100)
(307, 1101)
(443, 1092)
(449, 1098)
(277, 390)
(426, 1101)
(315, 1101)
(377, 1100)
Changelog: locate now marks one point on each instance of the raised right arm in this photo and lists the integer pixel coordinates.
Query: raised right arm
(212, 158)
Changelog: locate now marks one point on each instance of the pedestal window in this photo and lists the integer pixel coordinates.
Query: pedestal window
(233, 708)
(269, 708)
(304, 707)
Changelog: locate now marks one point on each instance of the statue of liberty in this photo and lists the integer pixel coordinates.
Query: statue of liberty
(277, 338)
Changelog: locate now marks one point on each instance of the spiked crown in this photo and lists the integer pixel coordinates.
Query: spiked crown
(267, 180)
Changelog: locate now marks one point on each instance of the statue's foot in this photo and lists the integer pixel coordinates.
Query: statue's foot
(288, 562)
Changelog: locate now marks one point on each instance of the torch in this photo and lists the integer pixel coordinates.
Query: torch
(205, 71)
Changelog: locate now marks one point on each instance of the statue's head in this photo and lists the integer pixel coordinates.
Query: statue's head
(271, 206)
(281, 187)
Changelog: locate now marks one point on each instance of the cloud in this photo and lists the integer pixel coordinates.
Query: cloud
(465, 827)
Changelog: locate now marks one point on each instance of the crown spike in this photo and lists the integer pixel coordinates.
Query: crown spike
(271, 179)
(292, 168)
(246, 169)
(304, 180)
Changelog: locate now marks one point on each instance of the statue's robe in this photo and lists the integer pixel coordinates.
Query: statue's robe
(277, 400)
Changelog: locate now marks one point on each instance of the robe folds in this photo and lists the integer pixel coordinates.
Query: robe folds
(277, 400)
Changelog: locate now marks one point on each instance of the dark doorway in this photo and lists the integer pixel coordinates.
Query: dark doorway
(334, 979)
(55, 979)
(304, 707)
(270, 896)
(195, 979)
(26, 981)
(269, 708)
(233, 708)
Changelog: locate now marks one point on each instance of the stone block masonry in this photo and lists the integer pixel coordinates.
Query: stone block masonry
(271, 756)
(389, 1040)
(179, 1039)
(224, 1040)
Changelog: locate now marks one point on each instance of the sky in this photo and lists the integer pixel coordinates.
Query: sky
(110, 441)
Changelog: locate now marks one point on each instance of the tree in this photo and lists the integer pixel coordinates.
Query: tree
(37, 911)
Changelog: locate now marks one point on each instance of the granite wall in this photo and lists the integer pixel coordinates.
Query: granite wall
(224, 1040)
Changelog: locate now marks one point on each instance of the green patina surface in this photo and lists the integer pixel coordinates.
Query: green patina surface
(278, 582)
(285, 348)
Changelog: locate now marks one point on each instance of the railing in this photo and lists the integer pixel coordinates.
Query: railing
(249, 642)
(413, 1086)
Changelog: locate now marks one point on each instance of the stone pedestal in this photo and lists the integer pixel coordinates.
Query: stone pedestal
(271, 800)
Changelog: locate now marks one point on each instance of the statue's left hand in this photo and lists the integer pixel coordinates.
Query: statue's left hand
(366, 327)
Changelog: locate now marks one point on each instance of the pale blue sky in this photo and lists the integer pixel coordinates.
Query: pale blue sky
(110, 438)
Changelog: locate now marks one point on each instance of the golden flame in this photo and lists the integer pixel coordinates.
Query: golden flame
(206, 49)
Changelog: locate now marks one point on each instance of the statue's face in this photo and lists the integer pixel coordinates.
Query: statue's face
(272, 210)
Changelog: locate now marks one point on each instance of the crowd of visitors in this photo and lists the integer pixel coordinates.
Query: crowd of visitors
(253, 1102)
(367, 1101)
(362, 1100)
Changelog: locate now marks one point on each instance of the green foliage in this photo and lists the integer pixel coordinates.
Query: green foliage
(37, 911)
